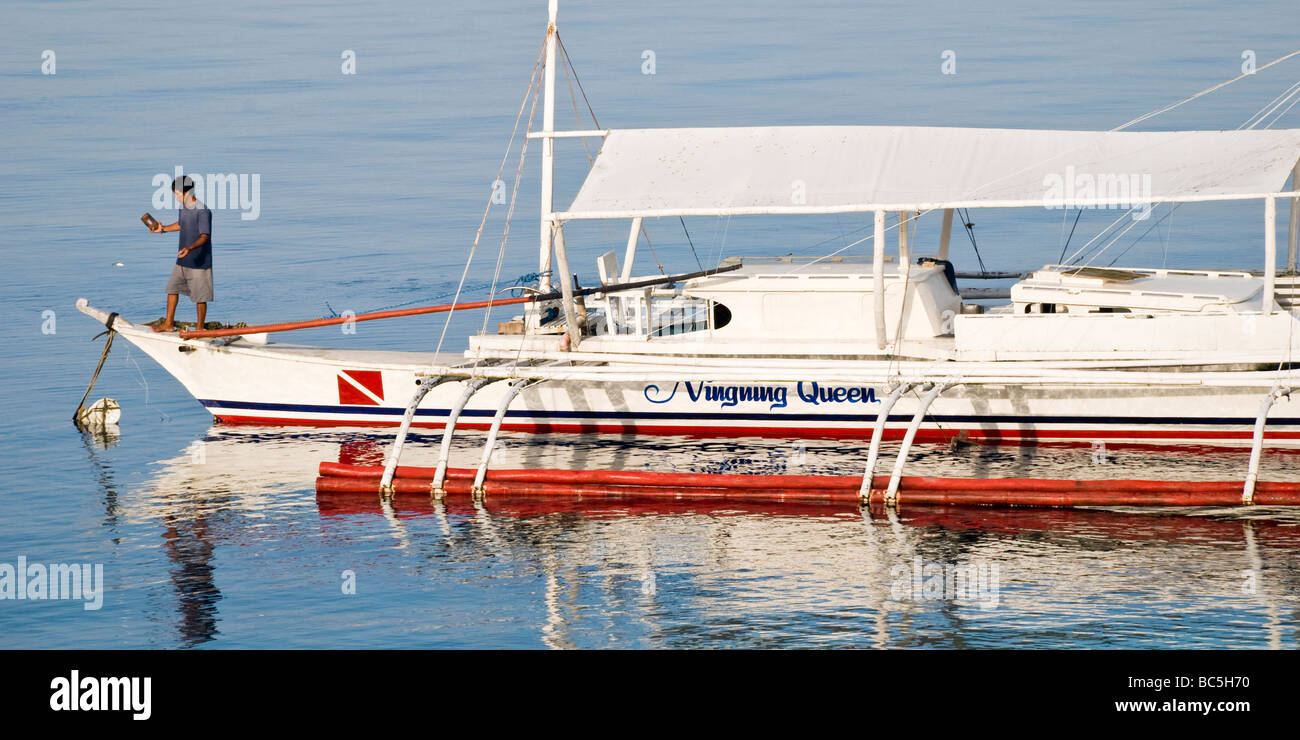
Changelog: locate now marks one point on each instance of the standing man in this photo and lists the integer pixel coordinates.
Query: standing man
(192, 274)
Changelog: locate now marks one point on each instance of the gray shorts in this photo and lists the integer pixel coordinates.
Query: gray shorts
(191, 281)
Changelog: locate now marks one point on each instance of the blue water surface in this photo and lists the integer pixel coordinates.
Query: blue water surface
(372, 186)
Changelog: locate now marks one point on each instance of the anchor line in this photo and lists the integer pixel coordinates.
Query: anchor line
(108, 345)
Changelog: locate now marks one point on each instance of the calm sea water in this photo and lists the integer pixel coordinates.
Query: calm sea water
(371, 189)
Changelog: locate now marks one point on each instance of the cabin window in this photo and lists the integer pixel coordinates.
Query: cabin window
(1045, 308)
(719, 316)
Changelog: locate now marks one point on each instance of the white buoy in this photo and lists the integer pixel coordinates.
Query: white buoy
(119, 264)
(101, 413)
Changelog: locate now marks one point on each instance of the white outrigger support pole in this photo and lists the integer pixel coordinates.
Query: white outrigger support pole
(571, 327)
(629, 255)
(878, 278)
(945, 235)
(444, 454)
(395, 450)
(891, 494)
(515, 388)
(1270, 253)
(1257, 444)
(877, 436)
(548, 151)
(1293, 224)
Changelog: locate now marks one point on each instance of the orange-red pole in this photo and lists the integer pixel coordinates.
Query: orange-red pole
(312, 323)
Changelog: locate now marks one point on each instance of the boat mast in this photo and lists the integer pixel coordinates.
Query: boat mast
(548, 151)
(552, 232)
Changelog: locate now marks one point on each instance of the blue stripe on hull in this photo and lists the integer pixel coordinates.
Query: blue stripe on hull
(757, 417)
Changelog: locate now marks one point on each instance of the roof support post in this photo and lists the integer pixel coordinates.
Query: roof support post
(1293, 224)
(571, 327)
(548, 151)
(904, 226)
(878, 279)
(633, 237)
(1270, 252)
(945, 236)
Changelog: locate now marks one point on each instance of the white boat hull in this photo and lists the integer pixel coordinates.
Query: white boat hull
(287, 385)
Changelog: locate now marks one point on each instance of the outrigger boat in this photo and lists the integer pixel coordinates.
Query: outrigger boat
(882, 346)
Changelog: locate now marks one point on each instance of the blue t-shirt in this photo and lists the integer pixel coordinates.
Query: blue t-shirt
(195, 220)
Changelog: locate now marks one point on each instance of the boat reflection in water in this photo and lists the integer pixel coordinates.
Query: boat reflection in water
(617, 571)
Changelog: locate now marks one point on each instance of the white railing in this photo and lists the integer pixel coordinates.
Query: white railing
(649, 313)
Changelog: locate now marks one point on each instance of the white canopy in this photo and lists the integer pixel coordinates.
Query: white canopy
(839, 169)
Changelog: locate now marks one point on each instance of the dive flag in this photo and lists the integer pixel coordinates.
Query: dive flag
(361, 387)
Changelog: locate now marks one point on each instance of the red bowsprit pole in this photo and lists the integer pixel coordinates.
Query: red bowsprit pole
(419, 310)
(338, 478)
(313, 323)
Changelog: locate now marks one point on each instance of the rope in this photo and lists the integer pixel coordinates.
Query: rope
(108, 345)
(1206, 91)
(1066, 245)
(688, 241)
(970, 232)
(577, 116)
(1250, 124)
(541, 54)
(565, 51)
(510, 212)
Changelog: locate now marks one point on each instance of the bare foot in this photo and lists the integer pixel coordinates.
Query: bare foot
(164, 327)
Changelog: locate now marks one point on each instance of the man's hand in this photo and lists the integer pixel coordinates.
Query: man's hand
(157, 228)
(181, 254)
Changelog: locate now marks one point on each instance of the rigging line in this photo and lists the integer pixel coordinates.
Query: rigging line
(1285, 93)
(1206, 91)
(688, 241)
(1172, 106)
(1279, 100)
(1134, 243)
(653, 253)
(577, 79)
(970, 232)
(1278, 117)
(797, 268)
(1247, 124)
(1121, 127)
(510, 212)
(532, 82)
(1113, 241)
(722, 244)
(1078, 253)
(1078, 212)
(1257, 118)
(843, 236)
(577, 116)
